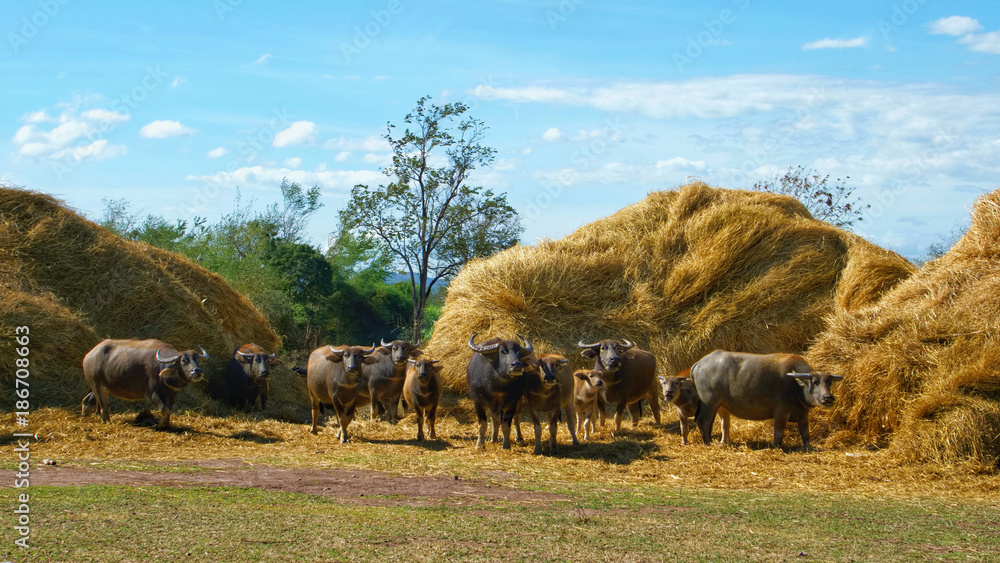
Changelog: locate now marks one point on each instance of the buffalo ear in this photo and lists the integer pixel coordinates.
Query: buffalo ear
(335, 357)
(581, 375)
(416, 353)
(529, 360)
(370, 360)
(588, 353)
(274, 362)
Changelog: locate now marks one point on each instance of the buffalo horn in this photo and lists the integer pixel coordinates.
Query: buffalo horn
(370, 350)
(169, 360)
(271, 357)
(384, 343)
(594, 345)
(338, 353)
(203, 354)
(627, 344)
(798, 375)
(527, 345)
(481, 349)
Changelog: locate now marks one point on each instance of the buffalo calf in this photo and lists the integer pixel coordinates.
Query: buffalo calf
(422, 391)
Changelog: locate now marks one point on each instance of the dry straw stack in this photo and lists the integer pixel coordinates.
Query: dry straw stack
(680, 273)
(923, 362)
(74, 283)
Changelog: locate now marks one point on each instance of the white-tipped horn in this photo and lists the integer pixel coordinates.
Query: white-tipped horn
(163, 360)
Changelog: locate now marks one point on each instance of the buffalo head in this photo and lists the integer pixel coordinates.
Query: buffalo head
(402, 350)
(607, 352)
(183, 363)
(353, 357)
(509, 356)
(816, 387)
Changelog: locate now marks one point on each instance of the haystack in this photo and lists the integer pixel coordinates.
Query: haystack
(923, 362)
(73, 283)
(680, 273)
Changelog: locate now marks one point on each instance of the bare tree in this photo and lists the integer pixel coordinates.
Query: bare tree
(827, 201)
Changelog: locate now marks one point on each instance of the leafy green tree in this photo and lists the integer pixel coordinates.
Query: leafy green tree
(832, 202)
(428, 217)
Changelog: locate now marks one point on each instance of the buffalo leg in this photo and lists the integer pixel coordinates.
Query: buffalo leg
(344, 419)
(571, 423)
(553, 429)
(495, 420)
(432, 419)
(88, 405)
(684, 429)
(654, 404)
(506, 418)
(804, 432)
(635, 411)
(420, 423)
(481, 416)
(724, 414)
(705, 420)
(779, 428)
(619, 411)
(537, 425)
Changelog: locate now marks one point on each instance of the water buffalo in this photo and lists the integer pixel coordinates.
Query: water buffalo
(385, 377)
(629, 375)
(333, 377)
(782, 387)
(422, 390)
(681, 392)
(496, 384)
(246, 376)
(548, 389)
(135, 370)
(587, 401)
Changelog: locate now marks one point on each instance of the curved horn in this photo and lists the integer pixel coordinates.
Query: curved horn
(581, 344)
(203, 354)
(271, 357)
(338, 353)
(244, 354)
(384, 343)
(527, 345)
(627, 344)
(370, 350)
(169, 360)
(481, 349)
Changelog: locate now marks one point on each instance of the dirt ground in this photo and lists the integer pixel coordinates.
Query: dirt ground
(360, 487)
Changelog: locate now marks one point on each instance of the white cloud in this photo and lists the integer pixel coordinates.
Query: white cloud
(983, 43)
(954, 25)
(261, 177)
(298, 133)
(293, 162)
(681, 164)
(217, 152)
(75, 133)
(372, 143)
(262, 59)
(835, 44)
(551, 134)
(342, 156)
(163, 129)
(371, 158)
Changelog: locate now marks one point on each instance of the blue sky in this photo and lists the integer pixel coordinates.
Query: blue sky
(591, 105)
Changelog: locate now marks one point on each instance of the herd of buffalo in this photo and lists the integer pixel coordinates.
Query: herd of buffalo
(504, 376)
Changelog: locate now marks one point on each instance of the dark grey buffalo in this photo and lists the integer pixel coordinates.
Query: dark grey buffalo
(135, 370)
(496, 382)
(333, 377)
(782, 387)
(385, 377)
(422, 390)
(246, 376)
(629, 376)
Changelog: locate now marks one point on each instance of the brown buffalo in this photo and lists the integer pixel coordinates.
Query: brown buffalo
(681, 392)
(333, 377)
(385, 377)
(135, 370)
(549, 389)
(422, 391)
(629, 375)
(587, 401)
